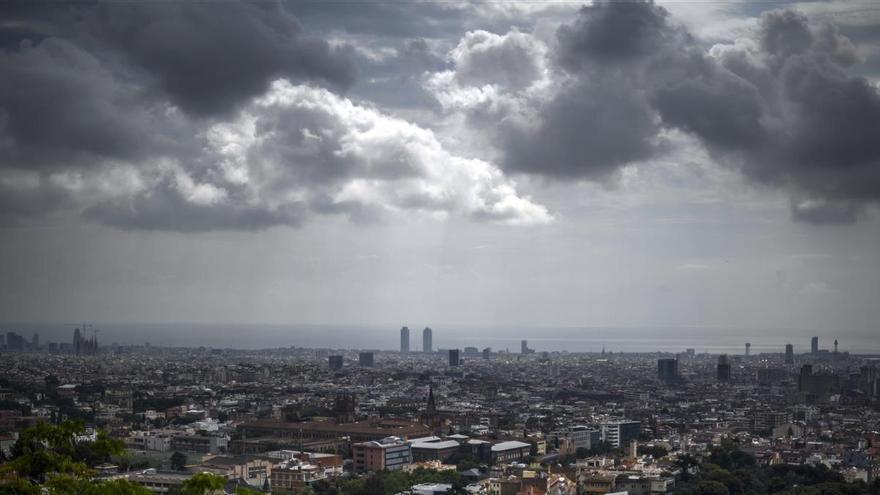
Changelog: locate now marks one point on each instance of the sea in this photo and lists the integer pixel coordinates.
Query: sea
(376, 337)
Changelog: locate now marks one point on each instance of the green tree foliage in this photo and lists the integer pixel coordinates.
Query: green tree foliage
(50, 456)
(685, 462)
(202, 484)
(730, 471)
(45, 448)
(388, 482)
(69, 485)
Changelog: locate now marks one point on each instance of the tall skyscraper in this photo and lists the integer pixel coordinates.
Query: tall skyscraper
(814, 345)
(789, 354)
(454, 357)
(335, 362)
(667, 369)
(35, 341)
(404, 340)
(77, 341)
(748, 348)
(722, 371)
(427, 340)
(365, 359)
(487, 353)
(14, 341)
(804, 377)
(835, 346)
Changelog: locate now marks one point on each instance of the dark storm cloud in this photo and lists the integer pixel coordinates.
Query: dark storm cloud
(590, 129)
(602, 117)
(820, 123)
(784, 110)
(210, 61)
(88, 82)
(61, 106)
(614, 32)
(207, 60)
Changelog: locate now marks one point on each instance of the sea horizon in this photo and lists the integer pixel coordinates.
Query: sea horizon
(713, 340)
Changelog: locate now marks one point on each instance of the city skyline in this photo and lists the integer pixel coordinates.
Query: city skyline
(89, 346)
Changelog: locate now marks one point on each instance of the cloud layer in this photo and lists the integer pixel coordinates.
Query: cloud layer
(167, 116)
(299, 150)
(170, 116)
(781, 106)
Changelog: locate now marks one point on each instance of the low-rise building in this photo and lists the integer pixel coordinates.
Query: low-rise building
(389, 453)
(510, 451)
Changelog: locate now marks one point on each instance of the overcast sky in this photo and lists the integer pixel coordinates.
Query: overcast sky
(683, 163)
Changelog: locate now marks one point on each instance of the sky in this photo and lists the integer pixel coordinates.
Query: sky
(637, 164)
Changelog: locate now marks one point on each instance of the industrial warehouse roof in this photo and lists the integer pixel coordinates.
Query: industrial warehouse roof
(445, 444)
(513, 444)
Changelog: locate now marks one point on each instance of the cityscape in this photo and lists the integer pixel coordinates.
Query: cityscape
(439, 247)
(482, 421)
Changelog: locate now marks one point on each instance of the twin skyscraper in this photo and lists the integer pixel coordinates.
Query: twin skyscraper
(427, 340)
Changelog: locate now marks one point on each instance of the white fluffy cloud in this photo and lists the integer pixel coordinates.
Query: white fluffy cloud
(298, 151)
(492, 75)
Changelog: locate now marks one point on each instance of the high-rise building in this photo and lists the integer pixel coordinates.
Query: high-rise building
(835, 346)
(35, 341)
(487, 352)
(77, 341)
(748, 348)
(804, 376)
(454, 357)
(870, 381)
(814, 345)
(14, 341)
(771, 376)
(404, 340)
(335, 362)
(722, 371)
(427, 340)
(667, 369)
(789, 354)
(524, 346)
(620, 433)
(365, 359)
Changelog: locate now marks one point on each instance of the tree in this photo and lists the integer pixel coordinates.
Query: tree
(19, 486)
(178, 461)
(45, 448)
(49, 458)
(68, 485)
(711, 488)
(685, 462)
(202, 484)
